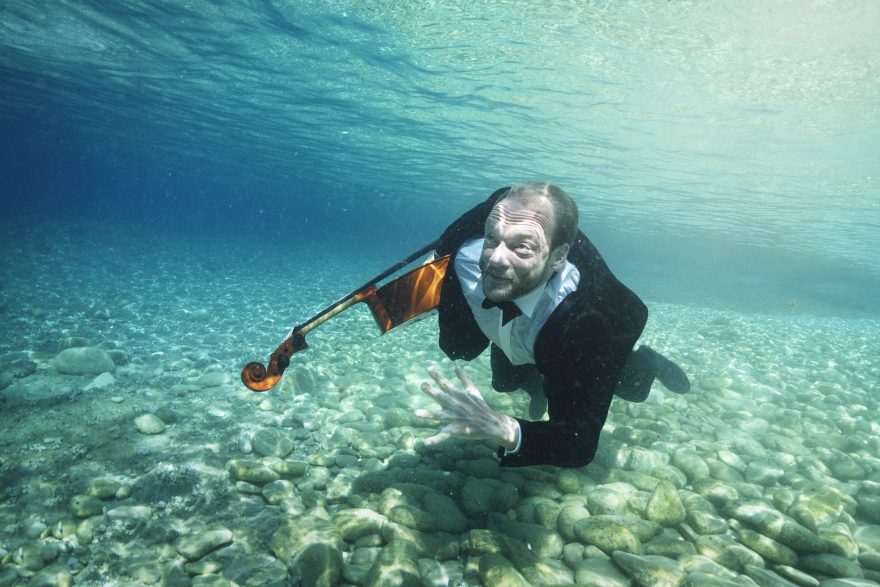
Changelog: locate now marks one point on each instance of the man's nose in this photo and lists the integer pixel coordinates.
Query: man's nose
(500, 256)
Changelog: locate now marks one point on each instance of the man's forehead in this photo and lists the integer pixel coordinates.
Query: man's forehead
(535, 212)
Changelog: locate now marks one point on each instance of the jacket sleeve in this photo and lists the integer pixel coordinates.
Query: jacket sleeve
(460, 336)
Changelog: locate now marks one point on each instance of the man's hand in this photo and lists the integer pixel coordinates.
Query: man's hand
(466, 413)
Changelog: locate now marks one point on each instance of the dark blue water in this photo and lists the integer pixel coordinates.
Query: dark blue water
(707, 146)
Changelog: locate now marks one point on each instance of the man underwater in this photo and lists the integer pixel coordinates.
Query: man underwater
(524, 279)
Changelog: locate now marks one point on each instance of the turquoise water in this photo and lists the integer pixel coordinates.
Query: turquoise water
(183, 182)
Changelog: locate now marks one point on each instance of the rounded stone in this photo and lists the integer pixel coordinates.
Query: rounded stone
(272, 442)
(651, 569)
(476, 496)
(275, 492)
(777, 526)
(354, 524)
(567, 481)
(195, 546)
(55, 575)
(726, 551)
(448, 516)
(768, 548)
(544, 543)
(732, 460)
(870, 560)
(497, 571)
(251, 471)
(104, 489)
(290, 469)
(705, 522)
(669, 544)
(607, 534)
(763, 472)
(691, 464)
(665, 505)
(413, 517)
(831, 565)
(83, 361)
(597, 572)
(570, 515)
(213, 379)
(605, 501)
(84, 506)
(670, 473)
(397, 564)
(868, 537)
(816, 509)
(149, 424)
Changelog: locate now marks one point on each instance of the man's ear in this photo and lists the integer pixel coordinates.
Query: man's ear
(559, 255)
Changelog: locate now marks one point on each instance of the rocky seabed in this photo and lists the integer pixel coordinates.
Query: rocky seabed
(767, 474)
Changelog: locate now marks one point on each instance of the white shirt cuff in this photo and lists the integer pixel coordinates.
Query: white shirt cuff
(518, 446)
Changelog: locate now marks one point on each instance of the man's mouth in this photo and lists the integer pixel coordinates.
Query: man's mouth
(494, 277)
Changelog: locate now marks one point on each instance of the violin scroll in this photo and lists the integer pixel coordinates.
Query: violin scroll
(259, 377)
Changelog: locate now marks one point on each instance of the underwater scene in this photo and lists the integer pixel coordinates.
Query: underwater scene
(207, 377)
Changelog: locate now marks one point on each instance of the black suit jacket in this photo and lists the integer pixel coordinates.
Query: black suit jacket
(580, 350)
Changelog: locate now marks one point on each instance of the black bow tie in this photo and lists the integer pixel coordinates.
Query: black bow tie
(509, 310)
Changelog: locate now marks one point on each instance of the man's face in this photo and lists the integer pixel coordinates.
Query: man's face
(516, 255)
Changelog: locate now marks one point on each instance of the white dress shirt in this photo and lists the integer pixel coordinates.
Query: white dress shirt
(517, 337)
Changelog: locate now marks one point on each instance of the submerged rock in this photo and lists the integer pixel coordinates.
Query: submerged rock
(397, 564)
(195, 546)
(778, 526)
(272, 442)
(84, 506)
(149, 424)
(310, 545)
(665, 505)
(597, 572)
(497, 571)
(831, 565)
(84, 361)
(251, 471)
(649, 569)
(608, 534)
(102, 381)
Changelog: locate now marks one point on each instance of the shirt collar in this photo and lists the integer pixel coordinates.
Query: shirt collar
(527, 302)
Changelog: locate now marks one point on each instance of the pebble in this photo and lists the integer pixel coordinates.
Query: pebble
(84, 506)
(497, 571)
(665, 506)
(149, 424)
(273, 442)
(649, 569)
(130, 512)
(597, 572)
(195, 546)
(396, 564)
(766, 578)
(251, 471)
(213, 379)
(768, 548)
(103, 489)
(726, 551)
(83, 361)
(639, 516)
(831, 565)
(102, 381)
(608, 534)
(543, 542)
(310, 545)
